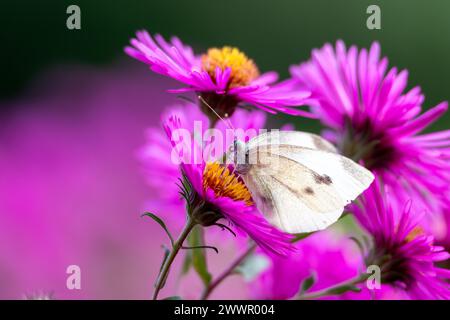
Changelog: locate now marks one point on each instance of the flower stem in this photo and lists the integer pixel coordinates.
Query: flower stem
(334, 290)
(227, 272)
(178, 244)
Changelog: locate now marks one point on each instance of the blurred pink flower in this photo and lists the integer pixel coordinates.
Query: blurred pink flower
(327, 256)
(71, 191)
(445, 239)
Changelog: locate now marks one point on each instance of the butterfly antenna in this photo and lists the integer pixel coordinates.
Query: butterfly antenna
(226, 121)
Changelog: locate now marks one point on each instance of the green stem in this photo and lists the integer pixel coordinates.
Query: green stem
(178, 244)
(227, 272)
(334, 290)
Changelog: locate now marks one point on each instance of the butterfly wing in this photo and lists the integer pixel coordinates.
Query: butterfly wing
(300, 188)
(291, 138)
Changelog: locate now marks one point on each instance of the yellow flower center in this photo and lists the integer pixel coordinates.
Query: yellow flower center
(243, 69)
(417, 231)
(225, 184)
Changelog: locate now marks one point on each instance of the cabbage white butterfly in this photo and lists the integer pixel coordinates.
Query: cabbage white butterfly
(298, 180)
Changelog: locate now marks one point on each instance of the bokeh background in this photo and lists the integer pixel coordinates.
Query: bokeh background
(74, 109)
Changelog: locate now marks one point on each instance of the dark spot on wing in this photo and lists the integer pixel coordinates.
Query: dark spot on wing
(308, 190)
(325, 179)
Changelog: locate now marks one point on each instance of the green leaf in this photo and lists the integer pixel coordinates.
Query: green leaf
(198, 256)
(344, 289)
(166, 254)
(173, 298)
(251, 267)
(308, 283)
(187, 263)
(161, 223)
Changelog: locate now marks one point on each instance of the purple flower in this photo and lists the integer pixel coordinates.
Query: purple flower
(223, 77)
(67, 161)
(213, 192)
(371, 119)
(406, 256)
(156, 155)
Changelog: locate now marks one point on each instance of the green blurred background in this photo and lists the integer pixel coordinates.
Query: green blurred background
(415, 34)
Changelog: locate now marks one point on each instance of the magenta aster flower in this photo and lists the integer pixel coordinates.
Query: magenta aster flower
(406, 255)
(373, 120)
(223, 77)
(156, 154)
(213, 192)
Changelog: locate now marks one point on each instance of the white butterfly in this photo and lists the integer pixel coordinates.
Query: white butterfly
(298, 180)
